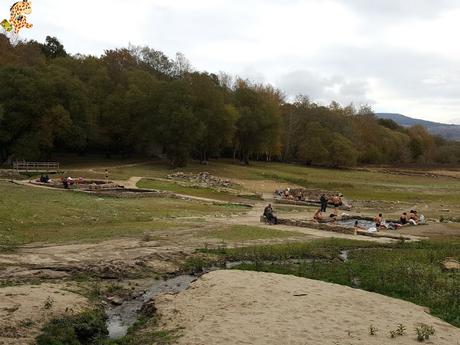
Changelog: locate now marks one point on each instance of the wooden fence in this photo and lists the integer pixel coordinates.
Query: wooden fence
(32, 167)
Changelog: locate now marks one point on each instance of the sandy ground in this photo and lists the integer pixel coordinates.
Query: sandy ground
(23, 312)
(108, 259)
(236, 307)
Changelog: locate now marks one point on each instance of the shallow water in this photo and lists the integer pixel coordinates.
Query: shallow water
(120, 318)
(351, 223)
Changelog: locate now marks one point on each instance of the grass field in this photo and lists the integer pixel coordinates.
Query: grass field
(194, 191)
(239, 233)
(40, 215)
(355, 184)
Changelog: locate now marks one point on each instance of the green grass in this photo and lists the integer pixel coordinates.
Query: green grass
(30, 214)
(193, 191)
(85, 328)
(247, 233)
(355, 184)
(321, 249)
(409, 271)
(89, 328)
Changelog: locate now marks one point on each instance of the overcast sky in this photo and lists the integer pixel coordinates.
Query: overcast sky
(398, 56)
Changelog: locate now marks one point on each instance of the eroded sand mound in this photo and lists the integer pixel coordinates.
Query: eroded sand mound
(25, 309)
(235, 307)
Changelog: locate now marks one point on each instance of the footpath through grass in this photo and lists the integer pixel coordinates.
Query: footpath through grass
(29, 214)
(201, 192)
(409, 271)
(355, 184)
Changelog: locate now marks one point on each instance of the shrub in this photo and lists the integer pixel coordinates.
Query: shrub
(83, 329)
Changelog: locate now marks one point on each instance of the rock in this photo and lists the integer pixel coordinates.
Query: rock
(450, 264)
(115, 300)
(202, 179)
(149, 309)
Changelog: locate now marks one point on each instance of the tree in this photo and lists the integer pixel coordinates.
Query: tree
(258, 126)
(217, 119)
(178, 130)
(341, 152)
(53, 49)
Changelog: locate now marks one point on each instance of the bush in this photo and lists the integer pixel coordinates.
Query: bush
(83, 329)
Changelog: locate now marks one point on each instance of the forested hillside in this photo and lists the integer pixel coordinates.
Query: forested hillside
(137, 101)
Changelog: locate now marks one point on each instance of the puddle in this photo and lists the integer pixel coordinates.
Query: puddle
(120, 318)
(351, 223)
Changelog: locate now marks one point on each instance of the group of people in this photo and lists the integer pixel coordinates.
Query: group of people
(412, 218)
(67, 182)
(320, 218)
(44, 178)
(303, 195)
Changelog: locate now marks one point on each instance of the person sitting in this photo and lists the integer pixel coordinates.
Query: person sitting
(318, 216)
(379, 223)
(413, 217)
(336, 200)
(403, 219)
(333, 218)
(65, 182)
(268, 213)
(46, 179)
(42, 178)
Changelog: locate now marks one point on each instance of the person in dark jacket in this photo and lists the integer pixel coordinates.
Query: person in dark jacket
(323, 201)
(268, 213)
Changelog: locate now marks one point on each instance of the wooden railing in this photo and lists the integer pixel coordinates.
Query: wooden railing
(36, 166)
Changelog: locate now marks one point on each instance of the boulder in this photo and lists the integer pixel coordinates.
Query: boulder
(450, 264)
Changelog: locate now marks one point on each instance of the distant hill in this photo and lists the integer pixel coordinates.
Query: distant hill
(451, 132)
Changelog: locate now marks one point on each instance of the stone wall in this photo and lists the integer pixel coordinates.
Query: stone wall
(318, 226)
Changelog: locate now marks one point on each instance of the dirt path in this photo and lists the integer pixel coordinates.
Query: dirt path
(129, 183)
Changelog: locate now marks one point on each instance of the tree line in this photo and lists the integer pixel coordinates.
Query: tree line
(138, 101)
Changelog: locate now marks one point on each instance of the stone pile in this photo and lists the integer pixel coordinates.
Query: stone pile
(309, 197)
(302, 194)
(202, 179)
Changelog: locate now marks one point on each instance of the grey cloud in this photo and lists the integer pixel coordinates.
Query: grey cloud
(335, 88)
(411, 75)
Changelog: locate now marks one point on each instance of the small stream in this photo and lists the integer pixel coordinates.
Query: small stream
(121, 317)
